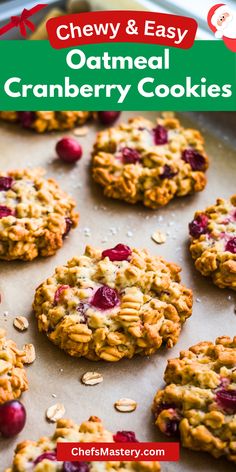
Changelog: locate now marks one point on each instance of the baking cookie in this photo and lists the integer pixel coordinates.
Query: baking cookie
(42, 121)
(150, 163)
(213, 242)
(198, 402)
(35, 215)
(40, 456)
(13, 380)
(113, 304)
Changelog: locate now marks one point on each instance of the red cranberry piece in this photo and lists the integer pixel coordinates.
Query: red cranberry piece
(6, 183)
(120, 252)
(172, 427)
(59, 292)
(26, 118)
(167, 173)
(108, 117)
(49, 455)
(160, 135)
(12, 418)
(69, 150)
(125, 436)
(105, 297)
(194, 158)
(198, 226)
(68, 226)
(5, 211)
(130, 156)
(227, 398)
(75, 467)
(165, 406)
(231, 245)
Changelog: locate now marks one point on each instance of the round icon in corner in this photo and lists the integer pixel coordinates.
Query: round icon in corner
(221, 20)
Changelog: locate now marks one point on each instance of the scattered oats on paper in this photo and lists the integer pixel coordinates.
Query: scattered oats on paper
(30, 355)
(55, 412)
(125, 405)
(21, 323)
(159, 237)
(91, 378)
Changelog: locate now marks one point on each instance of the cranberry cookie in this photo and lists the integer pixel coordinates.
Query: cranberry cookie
(150, 163)
(42, 121)
(213, 242)
(13, 381)
(40, 456)
(35, 215)
(198, 403)
(113, 304)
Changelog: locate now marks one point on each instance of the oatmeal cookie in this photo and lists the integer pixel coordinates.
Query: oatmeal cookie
(198, 402)
(113, 304)
(35, 215)
(13, 380)
(42, 121)
(213, 242)
(40, 456)
(150, 163)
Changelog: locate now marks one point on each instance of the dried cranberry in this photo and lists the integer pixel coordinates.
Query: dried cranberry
(125, 436)
(75, 467)
(69, 150)
(5, 211)
(82, 308)
(194, 158)
(69, 224)
(26, 118)
(160, 135)
(49, 455)
(59, 292)
(227, 398)
(231, 245)
(12, 418)
(165, 406)
(105, 298)
(130, 156)
(172, 427)
(198, 226)
(167, 173)
(108, 117)
(6, 183)
(120, 252)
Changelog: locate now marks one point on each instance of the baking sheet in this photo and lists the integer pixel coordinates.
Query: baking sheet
(54, 372)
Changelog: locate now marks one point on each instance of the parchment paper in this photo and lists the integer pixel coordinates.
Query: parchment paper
(54, 372)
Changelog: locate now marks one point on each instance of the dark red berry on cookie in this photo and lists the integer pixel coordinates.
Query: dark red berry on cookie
(160, 135)
(59, 292)
(125, 436)
(105, 297)
(75, 467)
(130, 156)
(167, 173)
(26, 118)
(5, 211)
(120, 252)
(231, 245)
(227, 398)
(82, 308)
(69, 150)
(69, 225)
(165, 406)
(5, 183)
(108, 117)
(198, 226)
(172, 427)
(12, 418)
(49, 455)
(194, 159)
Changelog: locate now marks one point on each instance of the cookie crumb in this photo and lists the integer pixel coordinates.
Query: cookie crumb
(81, 131)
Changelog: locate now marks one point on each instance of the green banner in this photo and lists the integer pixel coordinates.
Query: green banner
(119, 76)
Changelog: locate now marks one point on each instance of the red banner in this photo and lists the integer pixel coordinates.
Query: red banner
(121, 26)
(91, 452)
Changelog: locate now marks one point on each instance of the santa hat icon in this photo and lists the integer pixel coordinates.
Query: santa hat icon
(212, 18)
